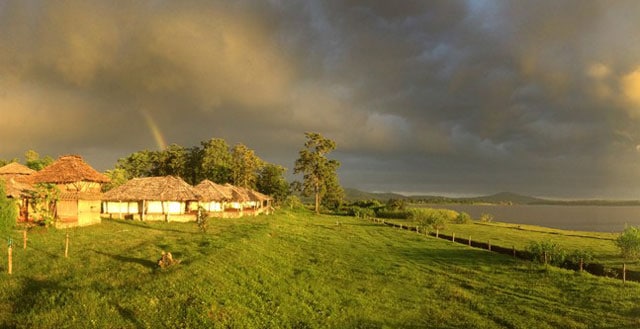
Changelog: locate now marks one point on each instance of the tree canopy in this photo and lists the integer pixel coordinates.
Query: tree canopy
(320, 178)
(213, 159)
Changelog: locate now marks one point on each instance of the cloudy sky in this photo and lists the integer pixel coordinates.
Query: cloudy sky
(443, 97)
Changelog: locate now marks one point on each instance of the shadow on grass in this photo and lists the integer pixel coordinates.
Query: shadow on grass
(129, 315)
(40, 294)
(140, 261)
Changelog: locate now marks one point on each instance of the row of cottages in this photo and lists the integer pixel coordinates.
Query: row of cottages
(170, 198)
(76, 184)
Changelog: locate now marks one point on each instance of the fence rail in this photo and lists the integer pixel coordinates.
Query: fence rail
(592, 268)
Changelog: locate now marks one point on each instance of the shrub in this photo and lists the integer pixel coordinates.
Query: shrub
(361, 212)
(293, 202)
(436, 219)
(547, 252)
(8, 213)
(581, 258)
(463, 218)
(487, 218)
(393, 214)
(629, 242)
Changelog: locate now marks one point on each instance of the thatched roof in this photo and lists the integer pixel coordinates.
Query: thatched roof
(15, 168)
(69, 169)
(15, 188)
(168, 188)
(237, 194)
(210, 191)
(257, 196)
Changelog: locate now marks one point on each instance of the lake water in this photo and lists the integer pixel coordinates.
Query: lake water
(580, 218)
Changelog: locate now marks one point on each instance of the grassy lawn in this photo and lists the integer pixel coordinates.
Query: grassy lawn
(292, 270)
(508, 235)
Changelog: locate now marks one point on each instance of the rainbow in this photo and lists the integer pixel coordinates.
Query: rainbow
(155, 131)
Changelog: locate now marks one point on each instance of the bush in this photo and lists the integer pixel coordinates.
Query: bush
(581, 258)
(547, 252)
(463, 218)
(435, 219)
(393, 214)
(629, 242)
(8, 213)
(361, 212)
(487, 218)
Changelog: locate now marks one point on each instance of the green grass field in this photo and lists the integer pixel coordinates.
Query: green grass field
(292, 270)
(601, 245)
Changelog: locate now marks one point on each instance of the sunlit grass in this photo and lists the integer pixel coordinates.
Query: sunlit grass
(292, 270)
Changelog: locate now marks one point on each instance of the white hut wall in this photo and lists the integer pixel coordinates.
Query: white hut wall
(166, 207)
(125, 207)
(88, 212)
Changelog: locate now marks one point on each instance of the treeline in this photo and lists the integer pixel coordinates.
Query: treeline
(32, 160)
(213, 159)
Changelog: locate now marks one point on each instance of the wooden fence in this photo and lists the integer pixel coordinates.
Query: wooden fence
(592, 268)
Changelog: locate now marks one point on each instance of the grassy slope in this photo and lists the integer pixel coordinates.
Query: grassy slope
(293, 271)
(507, 235)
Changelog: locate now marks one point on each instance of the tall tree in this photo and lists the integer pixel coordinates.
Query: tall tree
(138, 164)
(32, 160)
(171, 161)
(216, 161)
(271, 181)
(117, 176)
(245, 165)
(319, 173)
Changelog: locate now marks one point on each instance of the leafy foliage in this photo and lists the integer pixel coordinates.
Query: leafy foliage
(435, 219)
(44, 198)
(319, 173)
(487, 218)
(547, 252)
(463, 218)
(629, 242)
(8, 212)
(245, 166)
(33, 160)
(271, 182)
(213, 160)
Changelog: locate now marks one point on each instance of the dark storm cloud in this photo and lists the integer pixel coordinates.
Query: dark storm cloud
(442, 96)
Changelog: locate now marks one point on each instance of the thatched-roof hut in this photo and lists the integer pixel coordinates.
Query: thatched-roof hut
(16, 169)
(79, 187)
(17, 184)
(213, 196)
(152, 198)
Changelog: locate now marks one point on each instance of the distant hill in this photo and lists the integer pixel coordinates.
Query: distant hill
(506, 197)
(499, 198)
(355, 195)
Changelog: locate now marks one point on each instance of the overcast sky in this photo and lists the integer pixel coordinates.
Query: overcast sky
(435, 97)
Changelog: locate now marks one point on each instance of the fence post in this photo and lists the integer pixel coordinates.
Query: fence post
(581, 264)
(437, 233)
(66, 246)
(453, 237)
(469, 240)
(10, 258)
(24, 239)
(489, 244)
